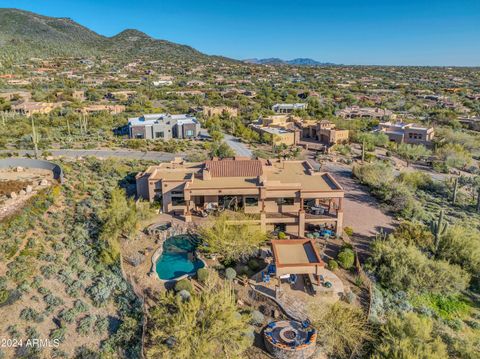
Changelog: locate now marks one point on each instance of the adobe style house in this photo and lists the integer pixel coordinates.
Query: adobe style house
(163, 126)
(323, 132)
(291, 130)
(407, 133)
(279, 195)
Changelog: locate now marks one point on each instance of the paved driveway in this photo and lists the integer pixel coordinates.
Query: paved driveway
(239, 147)
(139, 155)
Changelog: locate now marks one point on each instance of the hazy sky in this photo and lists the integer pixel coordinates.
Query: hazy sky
(388, 32)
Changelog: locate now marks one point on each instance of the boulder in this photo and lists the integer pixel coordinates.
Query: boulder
(29, 189)
(13, 195)
(22, 193)
(19, 169)
(43, 182)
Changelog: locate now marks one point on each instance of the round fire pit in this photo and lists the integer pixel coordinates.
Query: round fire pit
(290, 339)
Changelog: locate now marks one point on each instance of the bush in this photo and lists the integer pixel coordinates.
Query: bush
(282, 235)
(202, 275)
(332, 265)
(253, 265)
(348, 231)
(257, 318)
(350, 297)
(230, 273)
(346, 258)
(184, 294)
(183, 284)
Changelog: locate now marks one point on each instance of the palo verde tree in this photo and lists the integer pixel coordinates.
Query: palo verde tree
(230, 240)
(203, 325)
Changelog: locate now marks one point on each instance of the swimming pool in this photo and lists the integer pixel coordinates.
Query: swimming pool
(177, 258)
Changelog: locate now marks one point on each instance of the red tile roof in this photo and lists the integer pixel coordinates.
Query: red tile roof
(234, 168)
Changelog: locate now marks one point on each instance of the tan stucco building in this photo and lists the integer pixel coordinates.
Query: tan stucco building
(277, 194)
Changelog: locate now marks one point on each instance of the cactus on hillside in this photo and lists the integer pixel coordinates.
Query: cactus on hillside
(455, 190)
(439, 228)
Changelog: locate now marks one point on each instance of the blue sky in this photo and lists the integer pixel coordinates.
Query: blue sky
(389, 32)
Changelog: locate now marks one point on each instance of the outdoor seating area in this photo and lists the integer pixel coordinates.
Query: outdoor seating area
(297, 277)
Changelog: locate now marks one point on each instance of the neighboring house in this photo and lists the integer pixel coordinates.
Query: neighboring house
(280, 127)
(163, 126)
(290, 130)
(400, 132)
(219, 110)
(279, 195)
(288, 107)
(112, 109)
(31, 108)
(472, 123)
(365, 112)
(323, 132)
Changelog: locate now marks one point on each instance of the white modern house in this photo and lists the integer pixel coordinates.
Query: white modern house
(163, 126)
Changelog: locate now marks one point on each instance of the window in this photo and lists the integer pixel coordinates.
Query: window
(178, 201)
(177, 193)
(189, 133)
(251, 201)
(287, 201)
(159, 134)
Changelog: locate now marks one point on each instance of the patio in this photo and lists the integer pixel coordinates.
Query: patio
(298, 278)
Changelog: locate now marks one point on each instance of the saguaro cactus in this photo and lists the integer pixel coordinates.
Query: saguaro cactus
(455, 190)
(439, 228)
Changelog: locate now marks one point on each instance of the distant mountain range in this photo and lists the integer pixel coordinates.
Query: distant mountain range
(294, 62)
(25, 34)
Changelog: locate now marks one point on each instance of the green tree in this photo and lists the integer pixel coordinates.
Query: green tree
(207, 325)
(412, 153)
(231, 240)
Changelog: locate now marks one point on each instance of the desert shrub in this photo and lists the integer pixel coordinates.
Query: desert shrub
(332, 265)
(230, 273)
(257, 318)
(253, 264)
(202, 275)
(184, 295)
(183, 284)
(346, 258)
(343, 328)
(404, 267)
(100, 326)
(281, 235)
(85, 325)
(80, 306)
(58, 334)
(31, 315)
(348, 231)
(403, 335)
(68, 315)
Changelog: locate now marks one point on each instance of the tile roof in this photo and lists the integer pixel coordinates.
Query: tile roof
(234, 168)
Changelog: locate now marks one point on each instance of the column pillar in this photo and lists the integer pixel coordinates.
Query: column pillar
(301, 223)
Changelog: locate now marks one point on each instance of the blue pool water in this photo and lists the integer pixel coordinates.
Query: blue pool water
(177, 258)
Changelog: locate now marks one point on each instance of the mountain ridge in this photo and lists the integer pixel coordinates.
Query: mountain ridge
(27, 34)
(301, 61)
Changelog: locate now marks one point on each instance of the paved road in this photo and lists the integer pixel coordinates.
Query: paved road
(139, 155)
(239, 147)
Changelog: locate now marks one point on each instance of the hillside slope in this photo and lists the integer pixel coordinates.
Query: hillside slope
(25, 34)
